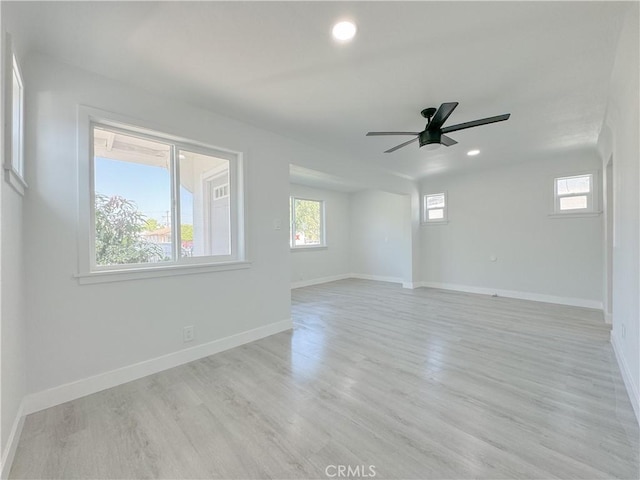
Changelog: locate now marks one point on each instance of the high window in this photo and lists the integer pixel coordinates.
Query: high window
(14, 163)
(160, 202)
(574, 194)
(435, 208)
(307, 223)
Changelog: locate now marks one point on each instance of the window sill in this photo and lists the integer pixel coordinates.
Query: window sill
(15, 180)
(428, 224)
(156, 272)
(574, 215)
(310, 247)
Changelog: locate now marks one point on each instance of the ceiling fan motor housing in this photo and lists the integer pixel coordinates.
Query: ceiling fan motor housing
(429, 137)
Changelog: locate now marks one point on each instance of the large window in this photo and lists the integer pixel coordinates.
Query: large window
(574, 194)
(157, 201)
(435, 208)
(307, 223)
(14, 163)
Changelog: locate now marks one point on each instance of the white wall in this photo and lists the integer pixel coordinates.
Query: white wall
(77, 331)
(13, 365)
(13, 329)
(620, 138)
(380, 226)
(309, 265)
(505, 212)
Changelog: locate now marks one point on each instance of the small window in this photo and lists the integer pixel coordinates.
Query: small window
(307, 223)
(435, 208)
(157, 201)
(574, 194)
(15, 122)
(17, 136)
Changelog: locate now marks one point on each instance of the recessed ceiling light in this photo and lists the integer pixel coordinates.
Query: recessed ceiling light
(471, 153)
(344, 31)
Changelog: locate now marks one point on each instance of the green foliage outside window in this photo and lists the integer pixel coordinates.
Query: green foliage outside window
(308, 222)
(118, 228)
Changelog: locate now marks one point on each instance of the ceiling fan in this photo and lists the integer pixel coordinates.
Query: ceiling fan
(433, 133)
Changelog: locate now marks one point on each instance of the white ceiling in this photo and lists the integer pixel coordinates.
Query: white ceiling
(316, 179)
(274, 64)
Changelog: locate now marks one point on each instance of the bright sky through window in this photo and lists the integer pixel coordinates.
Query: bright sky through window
(139, 183)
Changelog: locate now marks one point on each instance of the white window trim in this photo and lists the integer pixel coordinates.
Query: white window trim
(593, 197)
(292, 243)
(88, 272)
(440, 221)
(14, 177)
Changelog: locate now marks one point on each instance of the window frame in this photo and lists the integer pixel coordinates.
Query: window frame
(14, 174)
(592, 196)
(323, 234)
(425, 215)
(88, 270)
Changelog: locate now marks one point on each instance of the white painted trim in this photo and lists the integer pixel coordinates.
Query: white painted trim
(55, 396)
(14, 179)
(157, 270)
(411, 285)
(536, 297)
(593, 196)
(377, 278)
(608, 318)
(574, 215)
(318, 281)
(12, 443)
(632, 388)
(88, 272)
(445, 214)
(308, 248)
(323, 230)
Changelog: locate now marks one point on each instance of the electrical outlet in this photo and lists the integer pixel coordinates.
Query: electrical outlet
(188, 334)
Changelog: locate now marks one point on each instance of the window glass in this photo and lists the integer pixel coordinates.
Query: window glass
(132, 200)
(436, 214)
(435, 201)
(17, 138)
(573, 185)
(573, 203)
(306, 222)
(205, 205)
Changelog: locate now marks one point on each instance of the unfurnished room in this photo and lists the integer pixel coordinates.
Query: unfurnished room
(319, 240)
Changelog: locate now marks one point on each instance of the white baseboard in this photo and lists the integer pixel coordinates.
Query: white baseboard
(411, 285)
(55, 396)
(377, 278)
(632, 388)
(318, 281)
(12, 443)
(608, 318)
(536, 297)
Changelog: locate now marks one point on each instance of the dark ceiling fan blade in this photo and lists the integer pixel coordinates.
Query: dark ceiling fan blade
(372, 134)
(476, 123)
(447, 141)
(441, 115)
(401, 145)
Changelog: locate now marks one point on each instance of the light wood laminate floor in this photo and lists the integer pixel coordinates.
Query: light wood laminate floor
(416, 383)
